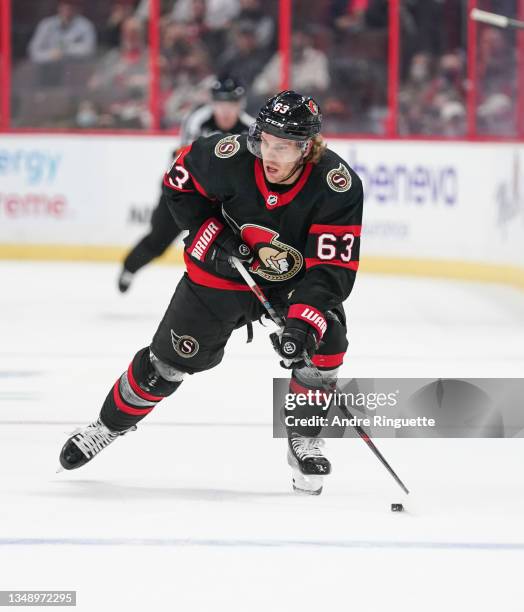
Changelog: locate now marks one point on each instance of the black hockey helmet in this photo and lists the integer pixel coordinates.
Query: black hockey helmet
(227, 89)
(290, 115)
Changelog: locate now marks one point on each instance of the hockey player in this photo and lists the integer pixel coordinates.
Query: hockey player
(291, 210)
(224, 114)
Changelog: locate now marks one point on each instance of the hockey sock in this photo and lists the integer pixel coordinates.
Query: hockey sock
(313, 409)
(135, 393)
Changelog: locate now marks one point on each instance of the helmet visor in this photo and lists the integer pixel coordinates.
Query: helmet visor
(272, 148)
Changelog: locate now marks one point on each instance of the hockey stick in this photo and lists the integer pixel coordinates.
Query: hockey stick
(499, 21)
(280, 322)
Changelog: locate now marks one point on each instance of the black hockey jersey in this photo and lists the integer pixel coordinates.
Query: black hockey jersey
(306, 236)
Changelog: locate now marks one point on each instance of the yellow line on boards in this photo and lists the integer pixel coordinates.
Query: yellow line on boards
(55, 252)
(475, 271)
(460, 270)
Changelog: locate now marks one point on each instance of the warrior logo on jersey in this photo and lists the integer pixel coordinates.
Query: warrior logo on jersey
(275, 261)
(227, 147)
(185, 346)
(339, 179)
(313, 108)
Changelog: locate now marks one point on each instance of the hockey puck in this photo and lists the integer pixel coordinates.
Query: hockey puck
(397, 508)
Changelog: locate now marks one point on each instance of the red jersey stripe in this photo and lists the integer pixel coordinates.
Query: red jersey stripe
(201, 277)
(350, 265)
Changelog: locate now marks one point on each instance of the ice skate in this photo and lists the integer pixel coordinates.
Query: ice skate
(86, 442)
(125, 280)
(308, 464)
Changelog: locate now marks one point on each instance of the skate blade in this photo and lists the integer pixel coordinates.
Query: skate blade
(305, 491)
(59, 469)
(308, 485)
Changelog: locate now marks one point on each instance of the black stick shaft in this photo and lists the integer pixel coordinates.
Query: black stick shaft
(276, 319)
(365, 437)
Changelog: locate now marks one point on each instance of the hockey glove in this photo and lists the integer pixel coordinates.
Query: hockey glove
(214, 245)
(297, 340)
(227, 245)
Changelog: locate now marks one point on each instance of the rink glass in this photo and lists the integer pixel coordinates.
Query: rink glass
(395, 69)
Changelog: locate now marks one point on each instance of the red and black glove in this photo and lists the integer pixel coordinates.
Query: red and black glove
(213, 244)
(300, 337)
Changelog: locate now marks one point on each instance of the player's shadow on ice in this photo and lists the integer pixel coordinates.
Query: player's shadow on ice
(97, 490)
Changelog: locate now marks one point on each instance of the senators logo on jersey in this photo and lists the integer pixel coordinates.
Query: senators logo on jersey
(339, 179)
(275, 261)
(227, 147)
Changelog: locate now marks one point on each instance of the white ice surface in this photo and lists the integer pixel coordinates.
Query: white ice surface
(194, 510)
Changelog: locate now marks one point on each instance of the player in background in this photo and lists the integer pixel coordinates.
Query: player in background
(291, 210)
(224, 114)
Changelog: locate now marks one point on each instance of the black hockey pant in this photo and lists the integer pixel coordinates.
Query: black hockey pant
(191, 338)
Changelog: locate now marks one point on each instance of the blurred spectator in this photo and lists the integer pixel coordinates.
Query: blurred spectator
(190, 86)
(176, 43)
(496, 115)
(347, 14)
(452, 119)
(186, 70)
(434, 103)
(66, 35)
(495, 63)
(352, 15)
(193, 14)
(254, 12)
(120, 84)
(87, 115)
(309, 69)
(377, 14)
(497, 81)
(144, 6)
(451, 75)
(120, 11)
(217, 13)
(244, 57)
(411, 103)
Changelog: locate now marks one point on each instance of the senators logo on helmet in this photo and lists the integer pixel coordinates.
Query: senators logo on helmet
(312, 107)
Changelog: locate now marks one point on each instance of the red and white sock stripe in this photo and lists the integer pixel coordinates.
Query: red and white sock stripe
(130, 398)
